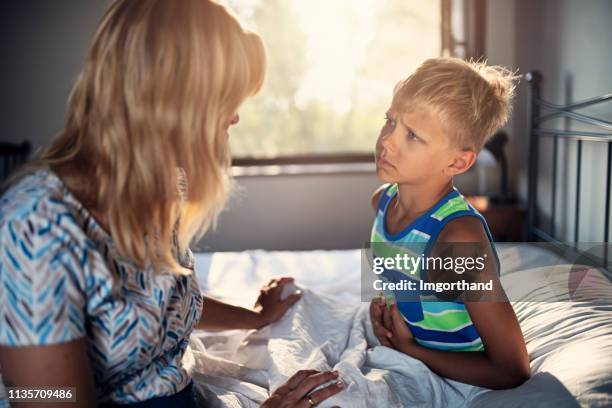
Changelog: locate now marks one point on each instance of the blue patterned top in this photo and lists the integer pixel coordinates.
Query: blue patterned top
(62, 279)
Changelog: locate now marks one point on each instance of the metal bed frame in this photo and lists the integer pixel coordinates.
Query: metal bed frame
(541, 111)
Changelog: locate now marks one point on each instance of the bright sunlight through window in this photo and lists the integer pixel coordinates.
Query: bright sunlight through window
(332, 66)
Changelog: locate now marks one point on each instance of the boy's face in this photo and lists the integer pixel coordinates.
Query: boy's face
(413, 147)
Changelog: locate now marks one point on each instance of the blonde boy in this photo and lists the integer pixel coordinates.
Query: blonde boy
(440, 117)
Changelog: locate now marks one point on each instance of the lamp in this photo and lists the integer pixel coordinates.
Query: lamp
(496, 145)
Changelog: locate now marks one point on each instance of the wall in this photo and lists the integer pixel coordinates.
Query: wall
(570, 43)
(500, 49)
(307, 211)
(43, 45)
(300, 211)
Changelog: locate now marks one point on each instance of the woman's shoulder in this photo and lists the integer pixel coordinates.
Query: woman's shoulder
(41, 227)
(43, 263)
(26, 195)
(38, 199)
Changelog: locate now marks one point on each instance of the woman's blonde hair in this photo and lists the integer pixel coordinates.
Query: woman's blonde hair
(147, 121)
(474, 99)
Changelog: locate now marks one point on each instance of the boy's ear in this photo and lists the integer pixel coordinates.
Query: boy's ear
(462, 161)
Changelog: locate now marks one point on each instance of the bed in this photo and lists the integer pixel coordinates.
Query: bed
(565, 314)
(570, 343)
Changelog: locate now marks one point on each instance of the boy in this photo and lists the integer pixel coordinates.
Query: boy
(440, 117)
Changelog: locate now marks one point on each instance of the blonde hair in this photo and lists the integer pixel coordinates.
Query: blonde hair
(147, 119)
(472, 98)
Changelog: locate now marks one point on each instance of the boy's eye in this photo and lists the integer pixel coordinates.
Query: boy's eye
(412, 135)
(389, 121)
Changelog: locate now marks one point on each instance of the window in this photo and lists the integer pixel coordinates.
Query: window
(332, 66)
(463, 28)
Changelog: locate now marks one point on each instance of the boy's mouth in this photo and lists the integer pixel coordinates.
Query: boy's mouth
(381, 161)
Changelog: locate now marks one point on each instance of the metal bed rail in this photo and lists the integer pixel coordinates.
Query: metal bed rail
(540, 112)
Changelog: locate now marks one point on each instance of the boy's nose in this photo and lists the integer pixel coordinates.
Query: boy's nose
(388, 141)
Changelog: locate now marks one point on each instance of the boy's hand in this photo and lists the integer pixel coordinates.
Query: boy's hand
(401, 336)
(382, 333)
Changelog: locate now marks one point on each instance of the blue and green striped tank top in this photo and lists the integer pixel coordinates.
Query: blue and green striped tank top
(437, 324)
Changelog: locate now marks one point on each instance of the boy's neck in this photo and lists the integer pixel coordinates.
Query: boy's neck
(415, 199)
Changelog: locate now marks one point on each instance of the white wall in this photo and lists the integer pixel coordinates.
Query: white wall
(302, 211)
(307, 211)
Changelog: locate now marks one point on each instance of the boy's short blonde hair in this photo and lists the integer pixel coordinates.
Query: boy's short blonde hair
(472, 98)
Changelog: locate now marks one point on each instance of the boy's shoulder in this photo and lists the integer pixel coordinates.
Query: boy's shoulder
(376, 196)
(463, 229)
(379, 192)
(461, 222)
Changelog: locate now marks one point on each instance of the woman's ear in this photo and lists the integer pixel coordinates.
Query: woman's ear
(461, 162)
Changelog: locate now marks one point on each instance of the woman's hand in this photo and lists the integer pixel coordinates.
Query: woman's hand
(269, 305)
(296, 392)
(269, 308)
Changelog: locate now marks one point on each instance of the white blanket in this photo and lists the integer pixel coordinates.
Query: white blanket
(570, 344)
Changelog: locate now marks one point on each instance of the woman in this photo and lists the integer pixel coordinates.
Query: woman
(96, 283)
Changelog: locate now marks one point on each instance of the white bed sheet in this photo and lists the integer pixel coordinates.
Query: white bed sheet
(570, 343)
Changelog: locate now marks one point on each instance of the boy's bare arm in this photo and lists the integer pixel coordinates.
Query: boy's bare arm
(505, 362)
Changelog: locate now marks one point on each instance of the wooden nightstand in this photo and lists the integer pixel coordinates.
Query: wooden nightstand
(506, 220)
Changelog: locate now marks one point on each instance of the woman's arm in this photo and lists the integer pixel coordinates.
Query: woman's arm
(268, 308)
(58, 365)
(222, 316)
